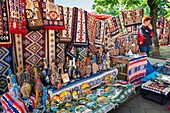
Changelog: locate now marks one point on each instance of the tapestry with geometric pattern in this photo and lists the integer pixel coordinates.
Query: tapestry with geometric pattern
(17, 16)
(29, 48)
(132, 17)
(66, 35)
(5, 38)
(55, 49)
(6, 62)
(53, 17)
(33, 15)
(80, 27)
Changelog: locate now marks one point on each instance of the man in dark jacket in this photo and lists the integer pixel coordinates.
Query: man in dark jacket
(145, 35)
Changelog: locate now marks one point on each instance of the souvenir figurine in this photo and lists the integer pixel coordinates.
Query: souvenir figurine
(26, 75)
(94, 65)
(18, 75)
(81, 68)
(9, 79)
(55, 77)
(46, 73)
(15, 86)
(85, 88)
(45, 97)
(70, 69)
(26, 90)
(104, 62)
(37, 87)
(74, 70)
(88, 68)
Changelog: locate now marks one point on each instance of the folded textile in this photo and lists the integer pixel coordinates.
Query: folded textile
(33, 15)
(5, 37)
(17, 17)
(53, 17)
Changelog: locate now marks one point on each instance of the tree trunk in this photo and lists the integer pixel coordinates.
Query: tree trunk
(154, 15)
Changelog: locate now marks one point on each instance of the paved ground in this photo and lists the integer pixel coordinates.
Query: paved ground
(140, 105)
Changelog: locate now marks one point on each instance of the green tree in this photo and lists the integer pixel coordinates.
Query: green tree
(154, 8)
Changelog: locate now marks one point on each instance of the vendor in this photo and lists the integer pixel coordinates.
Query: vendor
(145, 35)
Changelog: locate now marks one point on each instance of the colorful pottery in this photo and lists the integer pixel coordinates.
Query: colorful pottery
(75, 95)
(25, 90)
(91, 105)
(82, 109)
(85, 88)
(102, 100)
(65, 96)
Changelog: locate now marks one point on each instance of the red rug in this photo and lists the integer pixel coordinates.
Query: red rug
(5, 38)
(53, 17)
(17, 16)
(80, 27)
(33, 15)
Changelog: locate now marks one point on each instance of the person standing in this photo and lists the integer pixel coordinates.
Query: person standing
(145, 35)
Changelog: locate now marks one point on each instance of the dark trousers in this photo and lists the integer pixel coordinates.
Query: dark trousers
(145, 49)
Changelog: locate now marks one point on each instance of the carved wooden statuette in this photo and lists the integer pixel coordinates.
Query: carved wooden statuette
(81, 68)
(37, 87)
(18, 75)
(25, 90)
(9, 79)
(45, 97)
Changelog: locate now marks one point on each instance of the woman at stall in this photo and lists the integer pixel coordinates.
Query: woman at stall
(145, 35)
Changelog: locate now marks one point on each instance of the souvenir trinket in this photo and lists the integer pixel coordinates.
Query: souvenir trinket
(46, 73)
(82, 100)
(85, 88)
(37, 88)
(65, 96)
(45, 97)
(26, 90)
(82, 109)
(88, 68)
(92, 96)
(18, 75)
(74, 70)
(91, 105)
(75, 95)
(15, 86)
(81, 68)
(9, 79)
(100, 91)
(102, 100)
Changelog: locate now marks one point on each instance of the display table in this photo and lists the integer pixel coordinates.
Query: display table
(93, 80)
(152, 90)
(133, 68)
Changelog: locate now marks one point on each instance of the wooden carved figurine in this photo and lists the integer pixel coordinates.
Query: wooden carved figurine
(88, 66)
(18, 75)
(26, 75)
(9, 79)
(55, 77)
(26, 90)
(37, 87)
(45, 97)
(81, 68)
(46, 73)
(15, 86)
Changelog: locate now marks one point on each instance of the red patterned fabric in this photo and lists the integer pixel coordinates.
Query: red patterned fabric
(17, 16)
(53, 16)
(5, 38)
(11, 104)
(80, 27)
(33, 15)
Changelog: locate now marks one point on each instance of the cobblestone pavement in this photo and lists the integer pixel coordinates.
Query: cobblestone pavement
(141, 105)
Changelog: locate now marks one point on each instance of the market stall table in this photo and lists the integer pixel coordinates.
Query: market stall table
(133, 68)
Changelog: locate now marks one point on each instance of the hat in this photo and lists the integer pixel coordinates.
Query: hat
(146, 18)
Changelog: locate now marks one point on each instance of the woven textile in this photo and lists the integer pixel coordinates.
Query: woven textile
(164, 31)
(30, 48)
(33, 15)
(17, 16)
(132, 17)
(11, 104)
(153, 87)
(5, 39)
(91, 24)
(3, 84)
(80, 27)
(120, 22)
(99, 32)
(112, 26)
(66, 35)
(6, 60)
(55, 48)
(53, 17)
(137, 69)
(81, 52)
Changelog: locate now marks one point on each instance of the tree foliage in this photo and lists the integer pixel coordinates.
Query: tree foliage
(154, 8)
(113, 7)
